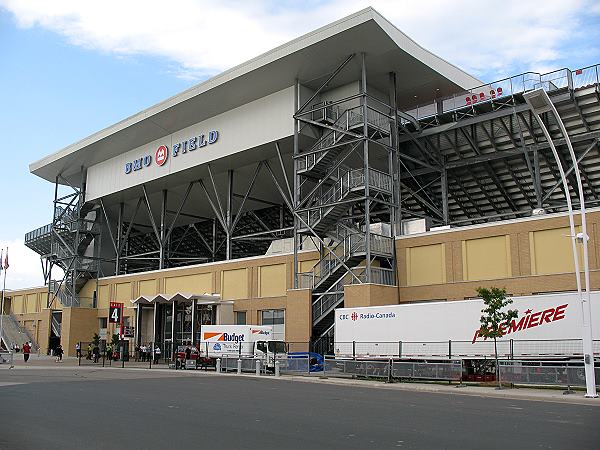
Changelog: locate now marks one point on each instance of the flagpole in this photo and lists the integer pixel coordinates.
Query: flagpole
(2, 307)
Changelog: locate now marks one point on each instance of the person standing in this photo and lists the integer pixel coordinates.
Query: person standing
(78, 349)
(26, 351)
(96, 353)
(156, 354)
(58, 351)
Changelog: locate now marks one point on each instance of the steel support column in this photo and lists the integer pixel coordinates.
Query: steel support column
(365, 112)
(163, 226)
(228, 214)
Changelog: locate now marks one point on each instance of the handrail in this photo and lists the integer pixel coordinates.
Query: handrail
(350, 118)
(504, 88)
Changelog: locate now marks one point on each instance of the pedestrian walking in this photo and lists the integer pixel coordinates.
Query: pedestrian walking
(26, 351)
(109, 352)
(156, 354)
(89, 352)
(58, 351)
(96, 353)
(78, 349)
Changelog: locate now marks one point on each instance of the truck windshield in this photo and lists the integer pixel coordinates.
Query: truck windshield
(277, 347)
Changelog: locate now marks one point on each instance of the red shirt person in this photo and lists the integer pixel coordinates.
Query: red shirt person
(26, 351)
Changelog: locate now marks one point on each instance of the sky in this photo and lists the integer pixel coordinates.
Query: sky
(70, 68)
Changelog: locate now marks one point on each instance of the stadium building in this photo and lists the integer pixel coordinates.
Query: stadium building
(349, 167)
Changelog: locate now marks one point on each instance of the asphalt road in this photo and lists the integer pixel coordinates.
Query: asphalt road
(71, 409)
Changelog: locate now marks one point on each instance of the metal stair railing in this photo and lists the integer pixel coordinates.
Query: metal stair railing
(322, 305)
(327, 140)
(348, 120)
(345, 183)
(350, 246)
(56, 326)
(379, 275)
(14, 333)
(324, 343)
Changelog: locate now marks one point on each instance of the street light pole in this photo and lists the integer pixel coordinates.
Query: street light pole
(540, 102)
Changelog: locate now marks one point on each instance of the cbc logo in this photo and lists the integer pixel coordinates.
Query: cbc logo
(161, 155)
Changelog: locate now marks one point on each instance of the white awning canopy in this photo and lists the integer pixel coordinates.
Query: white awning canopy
(206, 298)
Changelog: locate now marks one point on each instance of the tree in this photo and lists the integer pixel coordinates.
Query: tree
(495, 317)
(96, 339)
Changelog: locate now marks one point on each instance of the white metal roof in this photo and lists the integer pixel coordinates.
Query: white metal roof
(308, 57)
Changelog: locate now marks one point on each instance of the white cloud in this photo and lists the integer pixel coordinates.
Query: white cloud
(204, 37)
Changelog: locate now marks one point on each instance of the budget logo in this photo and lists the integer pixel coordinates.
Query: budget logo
(161, 155)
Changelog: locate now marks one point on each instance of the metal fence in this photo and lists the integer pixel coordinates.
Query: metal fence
(550, 373)
(351, 368)
(415, 370)
(427, 370)
(6, 359)
(296, 365)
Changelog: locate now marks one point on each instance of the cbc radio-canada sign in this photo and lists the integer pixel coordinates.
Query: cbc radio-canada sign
(161, 155)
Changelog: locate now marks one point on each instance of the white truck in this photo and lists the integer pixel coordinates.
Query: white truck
(547, 326)
(241, 341)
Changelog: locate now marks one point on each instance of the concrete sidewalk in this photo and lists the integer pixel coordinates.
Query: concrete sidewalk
(521, 393)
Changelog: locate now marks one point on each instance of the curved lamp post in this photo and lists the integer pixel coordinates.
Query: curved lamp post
(540, 102)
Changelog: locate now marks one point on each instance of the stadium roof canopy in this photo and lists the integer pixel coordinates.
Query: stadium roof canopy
(309, 58)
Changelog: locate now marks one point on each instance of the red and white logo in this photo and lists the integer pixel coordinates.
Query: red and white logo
(354, 316)
(162, 153)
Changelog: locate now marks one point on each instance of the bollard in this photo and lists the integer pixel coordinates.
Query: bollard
(218, 365)
(257, 365)
(239, 366)
(277, 369)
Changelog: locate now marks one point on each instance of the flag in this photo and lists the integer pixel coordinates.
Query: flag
(6, 259)
(1, 254)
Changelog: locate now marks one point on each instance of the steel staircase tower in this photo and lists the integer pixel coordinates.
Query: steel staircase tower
(71, 242)
(345, 196)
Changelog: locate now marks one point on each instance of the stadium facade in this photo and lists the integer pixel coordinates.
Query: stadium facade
(349, 167)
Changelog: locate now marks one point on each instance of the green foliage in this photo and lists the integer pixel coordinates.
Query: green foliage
(494, 314)
(96, 339)
(115, 340)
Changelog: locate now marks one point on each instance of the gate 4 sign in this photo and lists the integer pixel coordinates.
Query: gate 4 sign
(115, 312)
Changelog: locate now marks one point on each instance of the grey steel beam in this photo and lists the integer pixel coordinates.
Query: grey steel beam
(214, 186)
(163, 229)
(112, 239)
(326, 83)
(287, 182)
(568, 172)
(150, 216)
(366, 168)
(248, 191)
(444, 183)
(119, 237)
(228, 219)
(178, 212)
(212, 205)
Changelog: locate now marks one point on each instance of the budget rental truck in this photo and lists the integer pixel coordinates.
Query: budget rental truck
(547, 326)
(245, 341)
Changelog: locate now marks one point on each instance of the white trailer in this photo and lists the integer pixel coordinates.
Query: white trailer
(548, 325)
(245, 341)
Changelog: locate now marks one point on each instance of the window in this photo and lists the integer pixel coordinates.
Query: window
(240, 317)
(103, 322)
(276, 319)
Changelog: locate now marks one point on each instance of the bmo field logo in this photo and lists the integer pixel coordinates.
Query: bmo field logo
(162, 153)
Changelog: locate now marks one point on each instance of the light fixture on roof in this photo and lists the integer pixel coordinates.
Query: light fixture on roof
(539, 102)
